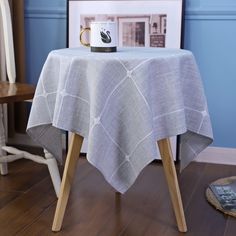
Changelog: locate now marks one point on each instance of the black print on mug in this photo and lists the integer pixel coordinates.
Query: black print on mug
(105, 36)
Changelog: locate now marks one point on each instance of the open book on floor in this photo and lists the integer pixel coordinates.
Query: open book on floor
(226, 195)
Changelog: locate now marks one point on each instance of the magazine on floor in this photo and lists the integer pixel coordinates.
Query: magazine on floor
(226, 195)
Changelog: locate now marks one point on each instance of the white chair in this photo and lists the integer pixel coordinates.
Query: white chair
(15, 92)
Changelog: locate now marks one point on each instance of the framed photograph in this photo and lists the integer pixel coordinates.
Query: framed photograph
(154, 23)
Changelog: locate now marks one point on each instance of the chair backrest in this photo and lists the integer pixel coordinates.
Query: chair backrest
(8, 40)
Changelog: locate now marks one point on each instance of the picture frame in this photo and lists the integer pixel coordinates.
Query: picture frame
(156, 23)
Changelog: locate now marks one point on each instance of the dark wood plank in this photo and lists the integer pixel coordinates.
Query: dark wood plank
(149, 192)
(230, 229)
(189, 180)
(7, 197)
(202, 218)
(112, 213)
(23, 177)
(169, 226)
(15, 92)
(26, 208)
(95, 209)
(42, 225)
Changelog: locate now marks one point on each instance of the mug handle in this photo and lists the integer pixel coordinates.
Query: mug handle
(80, 37)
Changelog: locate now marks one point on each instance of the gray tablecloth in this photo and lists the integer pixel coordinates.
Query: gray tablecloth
(123, 103)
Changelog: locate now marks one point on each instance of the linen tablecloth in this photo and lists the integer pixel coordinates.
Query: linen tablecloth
(123, 103)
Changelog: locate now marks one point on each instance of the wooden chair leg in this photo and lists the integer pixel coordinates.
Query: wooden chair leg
(51, 162)
(68, 174)
(3, 168)
(170, 172)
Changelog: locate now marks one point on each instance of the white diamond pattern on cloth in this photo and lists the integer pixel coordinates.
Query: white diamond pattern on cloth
(123, 103)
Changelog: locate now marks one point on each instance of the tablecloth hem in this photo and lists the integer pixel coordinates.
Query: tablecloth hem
(124, 187)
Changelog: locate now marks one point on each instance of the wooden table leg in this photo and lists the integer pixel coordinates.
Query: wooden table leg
(68, 174)
(170, 172)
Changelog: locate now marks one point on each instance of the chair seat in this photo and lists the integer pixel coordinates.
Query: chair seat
(15, 92)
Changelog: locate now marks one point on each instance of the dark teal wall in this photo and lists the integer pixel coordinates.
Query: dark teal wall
(210, 32)
(45, 26)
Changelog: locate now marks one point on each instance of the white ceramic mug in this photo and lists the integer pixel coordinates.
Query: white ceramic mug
(103, 36)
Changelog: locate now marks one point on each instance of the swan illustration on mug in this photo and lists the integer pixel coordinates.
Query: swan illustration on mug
(103, 36)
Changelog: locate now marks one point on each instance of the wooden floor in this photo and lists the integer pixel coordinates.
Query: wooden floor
(27, 203)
